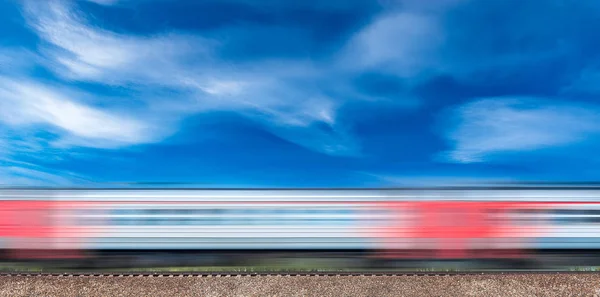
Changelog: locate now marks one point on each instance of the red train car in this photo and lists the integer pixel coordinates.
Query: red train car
(535, 224)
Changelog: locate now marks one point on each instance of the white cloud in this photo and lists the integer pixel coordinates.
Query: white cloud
(270, 92)
(435, 6)
(495, 125)
(303, 116)
(218, 88)
(403, 43)
(23, 104)
(104, 2)
(83, 52)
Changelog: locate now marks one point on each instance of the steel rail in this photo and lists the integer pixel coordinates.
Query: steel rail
(284, 274)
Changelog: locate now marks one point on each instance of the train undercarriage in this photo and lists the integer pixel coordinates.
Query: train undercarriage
(303, 259)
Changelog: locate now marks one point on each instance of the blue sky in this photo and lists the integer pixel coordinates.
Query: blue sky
(298, 93)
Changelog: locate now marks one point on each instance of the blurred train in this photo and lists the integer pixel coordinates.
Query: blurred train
(529, 225)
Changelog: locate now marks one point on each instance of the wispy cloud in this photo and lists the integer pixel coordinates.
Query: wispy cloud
(16, 170)
(23, 176)
(25, 104)
(14, 59)
(271, 92)
(83, 52)
(486, 127)
(402, 43)
(103, 2)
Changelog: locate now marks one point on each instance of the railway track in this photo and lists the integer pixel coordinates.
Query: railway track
(356, 283)
(288, 274)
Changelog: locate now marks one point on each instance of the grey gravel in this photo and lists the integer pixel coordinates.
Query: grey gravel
(470, 285)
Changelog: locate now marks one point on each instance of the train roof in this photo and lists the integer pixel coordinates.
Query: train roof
(513, 192)
(477, 186)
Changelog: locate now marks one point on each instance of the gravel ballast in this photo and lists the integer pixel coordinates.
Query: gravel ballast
(464, 285)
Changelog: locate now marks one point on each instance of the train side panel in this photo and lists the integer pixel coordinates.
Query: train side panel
(401, 228)
(213, 226)
(32, 230)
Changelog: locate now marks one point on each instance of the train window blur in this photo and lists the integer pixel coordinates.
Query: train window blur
(576, 216)
(565, 216)
(314, 216)
(239, 217)
(524, 216)
(593, 216)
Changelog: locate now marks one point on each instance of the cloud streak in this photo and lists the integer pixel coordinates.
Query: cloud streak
(277, 93)
(487, 127)
(82, 52)
(104, 2)
(402, 43)
(22, 176)
(27, 104)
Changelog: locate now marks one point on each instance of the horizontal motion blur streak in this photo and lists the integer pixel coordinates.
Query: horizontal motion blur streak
(534, 225)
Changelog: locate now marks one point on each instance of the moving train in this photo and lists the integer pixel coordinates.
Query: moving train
(529, 225)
